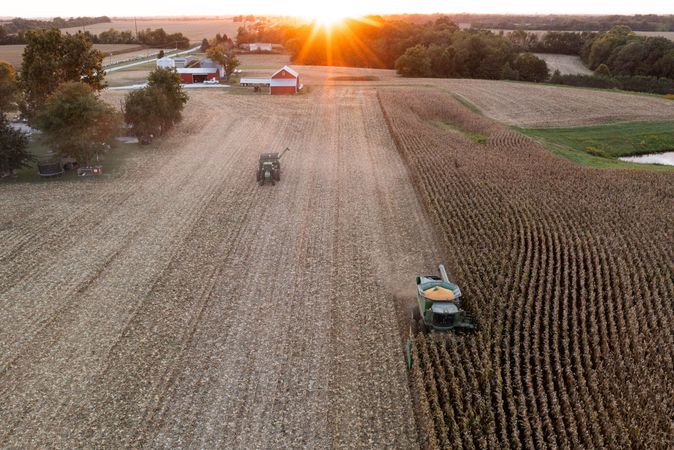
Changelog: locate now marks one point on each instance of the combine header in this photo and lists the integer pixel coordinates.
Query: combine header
(439, 305)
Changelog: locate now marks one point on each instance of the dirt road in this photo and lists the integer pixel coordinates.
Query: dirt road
(180, 305)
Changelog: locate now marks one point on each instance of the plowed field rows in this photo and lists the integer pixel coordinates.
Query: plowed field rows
(570, 272)
(181, 305)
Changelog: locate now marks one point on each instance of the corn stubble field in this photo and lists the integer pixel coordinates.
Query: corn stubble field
(177, 304)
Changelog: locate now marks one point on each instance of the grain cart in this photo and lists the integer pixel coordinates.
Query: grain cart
(269, 168)
(439, 305)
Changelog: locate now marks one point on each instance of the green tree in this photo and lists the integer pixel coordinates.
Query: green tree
(143, 110)
(531, 68)
(76, 123)
(415, 62)
(226, 58)
(205, 45)
(164, 84)
(13, 145)
(9, 88)
(51, 58)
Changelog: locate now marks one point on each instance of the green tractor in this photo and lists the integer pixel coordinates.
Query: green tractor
(269, 168)
(439, 305)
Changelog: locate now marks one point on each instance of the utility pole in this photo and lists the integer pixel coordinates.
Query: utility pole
(136, 24)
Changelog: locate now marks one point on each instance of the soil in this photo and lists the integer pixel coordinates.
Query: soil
(179, 304)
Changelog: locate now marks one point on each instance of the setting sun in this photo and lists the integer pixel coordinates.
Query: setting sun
(329, 15)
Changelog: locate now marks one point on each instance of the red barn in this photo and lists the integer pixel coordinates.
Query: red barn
(285, 81)
(198, 74)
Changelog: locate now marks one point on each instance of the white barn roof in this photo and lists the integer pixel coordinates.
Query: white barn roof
(287, 69)
(255, 81)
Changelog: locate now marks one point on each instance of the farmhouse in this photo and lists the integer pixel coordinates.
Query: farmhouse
(258, 47)
(203, 70)
(285, 81)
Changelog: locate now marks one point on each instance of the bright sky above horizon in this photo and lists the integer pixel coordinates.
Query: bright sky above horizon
(312, 9)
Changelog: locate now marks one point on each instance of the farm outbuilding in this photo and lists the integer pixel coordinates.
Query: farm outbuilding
(285, 81)
(258, 47)
(166, 63)
(198, 74)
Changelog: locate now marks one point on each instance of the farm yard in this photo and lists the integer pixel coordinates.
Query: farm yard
(176, 303)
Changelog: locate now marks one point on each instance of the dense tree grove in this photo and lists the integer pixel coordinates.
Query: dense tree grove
(619, 58)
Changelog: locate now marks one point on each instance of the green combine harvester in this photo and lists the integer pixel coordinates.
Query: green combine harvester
(439, 305)
(269, 168)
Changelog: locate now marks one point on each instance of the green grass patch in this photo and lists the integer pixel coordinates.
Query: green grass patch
(453, 128)
(612, 140)
(584, 147)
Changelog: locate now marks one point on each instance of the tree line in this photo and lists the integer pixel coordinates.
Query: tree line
(18, 24)
(619, 58)
(157, 38)
(637, 22)
(433, 49)
(57, 91)
(440, 48)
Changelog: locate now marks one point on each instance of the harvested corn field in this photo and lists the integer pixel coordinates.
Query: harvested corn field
(569, 271)
(537, 105)
(179, 304)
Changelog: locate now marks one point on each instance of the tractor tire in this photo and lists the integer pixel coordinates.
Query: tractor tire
(258, 175)
(276, 175)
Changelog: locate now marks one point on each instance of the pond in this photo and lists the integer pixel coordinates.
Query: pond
(666, 158)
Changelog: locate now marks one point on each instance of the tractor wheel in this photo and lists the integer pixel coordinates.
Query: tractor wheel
(276, 175)
(258, 175)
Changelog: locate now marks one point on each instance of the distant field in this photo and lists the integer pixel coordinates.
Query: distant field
(13, 53)
(566, 64)
(542, 106)
(195, 30)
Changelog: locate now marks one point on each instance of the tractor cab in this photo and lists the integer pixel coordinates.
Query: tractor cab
(439, 304)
